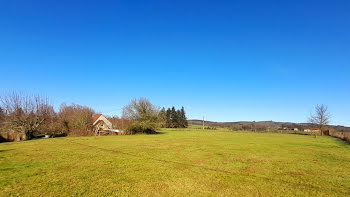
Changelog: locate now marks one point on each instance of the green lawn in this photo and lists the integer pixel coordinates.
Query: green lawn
(177, 163)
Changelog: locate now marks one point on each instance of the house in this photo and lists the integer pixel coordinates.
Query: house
(312, 130)
(101, 125)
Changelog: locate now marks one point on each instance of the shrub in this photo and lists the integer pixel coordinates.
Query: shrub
(76, 120)
(146, 126)
(341, 135)
(144, 116)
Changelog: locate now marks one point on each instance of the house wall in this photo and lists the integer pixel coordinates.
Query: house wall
(101, 125)
(105, 120)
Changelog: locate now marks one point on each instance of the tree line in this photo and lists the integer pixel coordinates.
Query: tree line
(24, 116)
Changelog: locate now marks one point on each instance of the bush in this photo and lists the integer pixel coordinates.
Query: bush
(147, 127)
(143, 115)
(75, 120)
(341, 135)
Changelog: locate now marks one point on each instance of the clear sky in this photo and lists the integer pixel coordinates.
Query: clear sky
(229, 61)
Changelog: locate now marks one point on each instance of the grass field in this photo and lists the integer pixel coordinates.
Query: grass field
(188, 162)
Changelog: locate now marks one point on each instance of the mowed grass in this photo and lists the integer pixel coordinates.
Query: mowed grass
(189, 162)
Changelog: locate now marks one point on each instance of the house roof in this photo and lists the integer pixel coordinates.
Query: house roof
(95, 117)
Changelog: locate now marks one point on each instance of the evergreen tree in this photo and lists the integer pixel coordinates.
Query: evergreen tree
(174, 117)
(162, 117)
(184, 122)
(178, 122)
(168, 118)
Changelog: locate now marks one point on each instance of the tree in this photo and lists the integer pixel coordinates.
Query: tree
(162, 117)
(144, 116)
(184, 122)
(174, 118)
(321, 117)
(2, 115)
(76, 119)
(25, 114)
(2, 119)
(168, 118)
(179, 119)
(140, 109)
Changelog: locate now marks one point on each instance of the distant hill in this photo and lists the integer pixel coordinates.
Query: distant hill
(290, 125)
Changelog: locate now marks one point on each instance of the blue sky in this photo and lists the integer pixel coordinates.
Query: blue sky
(228, 61)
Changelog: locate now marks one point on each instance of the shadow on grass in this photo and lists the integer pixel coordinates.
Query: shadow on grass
(1, 151)
(2, 139)
(340, 141)
(6, 169)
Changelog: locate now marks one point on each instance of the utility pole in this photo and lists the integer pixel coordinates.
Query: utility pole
(203, 122)
(254, 126)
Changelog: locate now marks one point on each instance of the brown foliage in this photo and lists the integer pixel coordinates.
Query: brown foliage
(75, 120)
(120, 123)
(24, 115)
(341, 135)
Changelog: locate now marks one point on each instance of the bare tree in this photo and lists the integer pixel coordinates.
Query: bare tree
(2, 119)
(25, 113)
(76, 119)
(321, 117)
(2, 115)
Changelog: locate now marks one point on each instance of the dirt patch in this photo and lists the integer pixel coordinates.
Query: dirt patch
(176, 152)
(240, 159)
(254, 160)
(295, 173)
(199, 161)
(208, 155)
(222, 154)
(251, 169)
(184, 159)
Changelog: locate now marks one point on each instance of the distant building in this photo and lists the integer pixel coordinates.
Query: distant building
(296, 129)
(312, 130)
